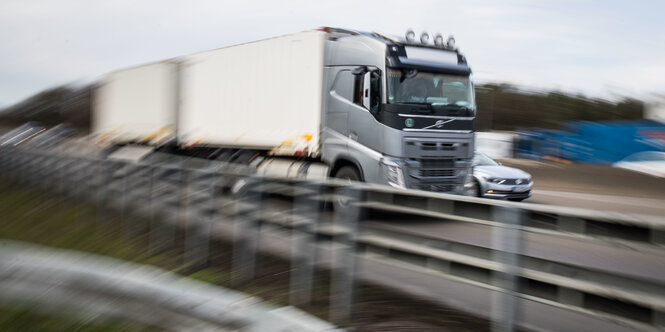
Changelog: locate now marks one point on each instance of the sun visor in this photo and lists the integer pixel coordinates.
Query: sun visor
(422, 58)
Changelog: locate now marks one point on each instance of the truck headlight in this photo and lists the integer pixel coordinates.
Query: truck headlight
(394, 173)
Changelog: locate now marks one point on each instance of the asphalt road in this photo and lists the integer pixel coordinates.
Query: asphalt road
(596, 187)
(600, 202)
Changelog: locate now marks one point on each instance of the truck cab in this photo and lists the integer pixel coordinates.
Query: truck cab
(397, 111)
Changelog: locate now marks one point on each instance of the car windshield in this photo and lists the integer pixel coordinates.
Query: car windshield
(409, 86)
(481, 159)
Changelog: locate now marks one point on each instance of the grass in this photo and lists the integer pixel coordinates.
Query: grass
(27, 319)
(32, 216)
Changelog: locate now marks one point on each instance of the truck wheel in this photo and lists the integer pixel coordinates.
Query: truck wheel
(348, 173)
(340, 204)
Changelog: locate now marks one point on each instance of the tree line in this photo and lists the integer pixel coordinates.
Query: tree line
(505, 107)
(63, 104)
(500, 107)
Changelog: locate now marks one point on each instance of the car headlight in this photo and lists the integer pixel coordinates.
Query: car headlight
(393, 173)
(497, 181)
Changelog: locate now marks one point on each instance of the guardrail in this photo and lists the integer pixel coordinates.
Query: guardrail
(90, 285)
(200, 195)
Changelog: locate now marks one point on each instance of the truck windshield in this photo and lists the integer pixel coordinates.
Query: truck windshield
(410, 86)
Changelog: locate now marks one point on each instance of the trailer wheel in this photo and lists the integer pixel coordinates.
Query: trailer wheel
(348, 173)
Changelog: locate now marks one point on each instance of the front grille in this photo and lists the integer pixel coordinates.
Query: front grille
(512, 194)
(515, 181)
(435, 168)
(445, 148)
(434, 146)
(443, 175)
(440, 188)
(436, 172)
(437, 163)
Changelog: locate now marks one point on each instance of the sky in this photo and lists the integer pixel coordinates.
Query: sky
(605, 49)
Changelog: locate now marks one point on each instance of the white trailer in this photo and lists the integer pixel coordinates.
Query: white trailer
(265, 95)
(137, 104)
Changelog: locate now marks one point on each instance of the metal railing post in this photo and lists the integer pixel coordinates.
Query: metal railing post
(345, 258)
(197, 232)
(123, 200)
(247, 231)
(507, 244)
(303, 245)
(154, 224)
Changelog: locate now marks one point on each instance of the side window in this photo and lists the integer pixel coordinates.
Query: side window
(344, 84)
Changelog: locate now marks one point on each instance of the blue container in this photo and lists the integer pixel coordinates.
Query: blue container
(608, 142)
(592, 142)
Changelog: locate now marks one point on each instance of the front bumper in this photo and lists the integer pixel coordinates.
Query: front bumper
(493, 190)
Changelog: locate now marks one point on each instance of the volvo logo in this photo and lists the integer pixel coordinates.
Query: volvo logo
(439, 124)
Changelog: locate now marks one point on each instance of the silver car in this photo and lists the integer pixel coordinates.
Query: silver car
(492, 180)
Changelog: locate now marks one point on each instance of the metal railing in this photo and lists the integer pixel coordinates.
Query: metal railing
(214, 199)
(88, 285)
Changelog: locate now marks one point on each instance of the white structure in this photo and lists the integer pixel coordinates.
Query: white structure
(495, 144)
(257, 94)
(137, 104)
(655, 109)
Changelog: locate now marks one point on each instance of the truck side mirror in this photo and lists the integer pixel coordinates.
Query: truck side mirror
(374, 91)
(366, 89)
(359, 70)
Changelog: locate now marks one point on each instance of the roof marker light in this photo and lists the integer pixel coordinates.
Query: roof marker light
(438, 40)
(424, 38)
(410, 35)
(451, 42)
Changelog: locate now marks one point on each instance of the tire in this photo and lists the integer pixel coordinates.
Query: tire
(349, 173)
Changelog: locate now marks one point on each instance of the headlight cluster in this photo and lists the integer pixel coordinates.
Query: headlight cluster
(393, 173)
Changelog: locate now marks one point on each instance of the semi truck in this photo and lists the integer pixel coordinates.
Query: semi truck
(340, 103)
